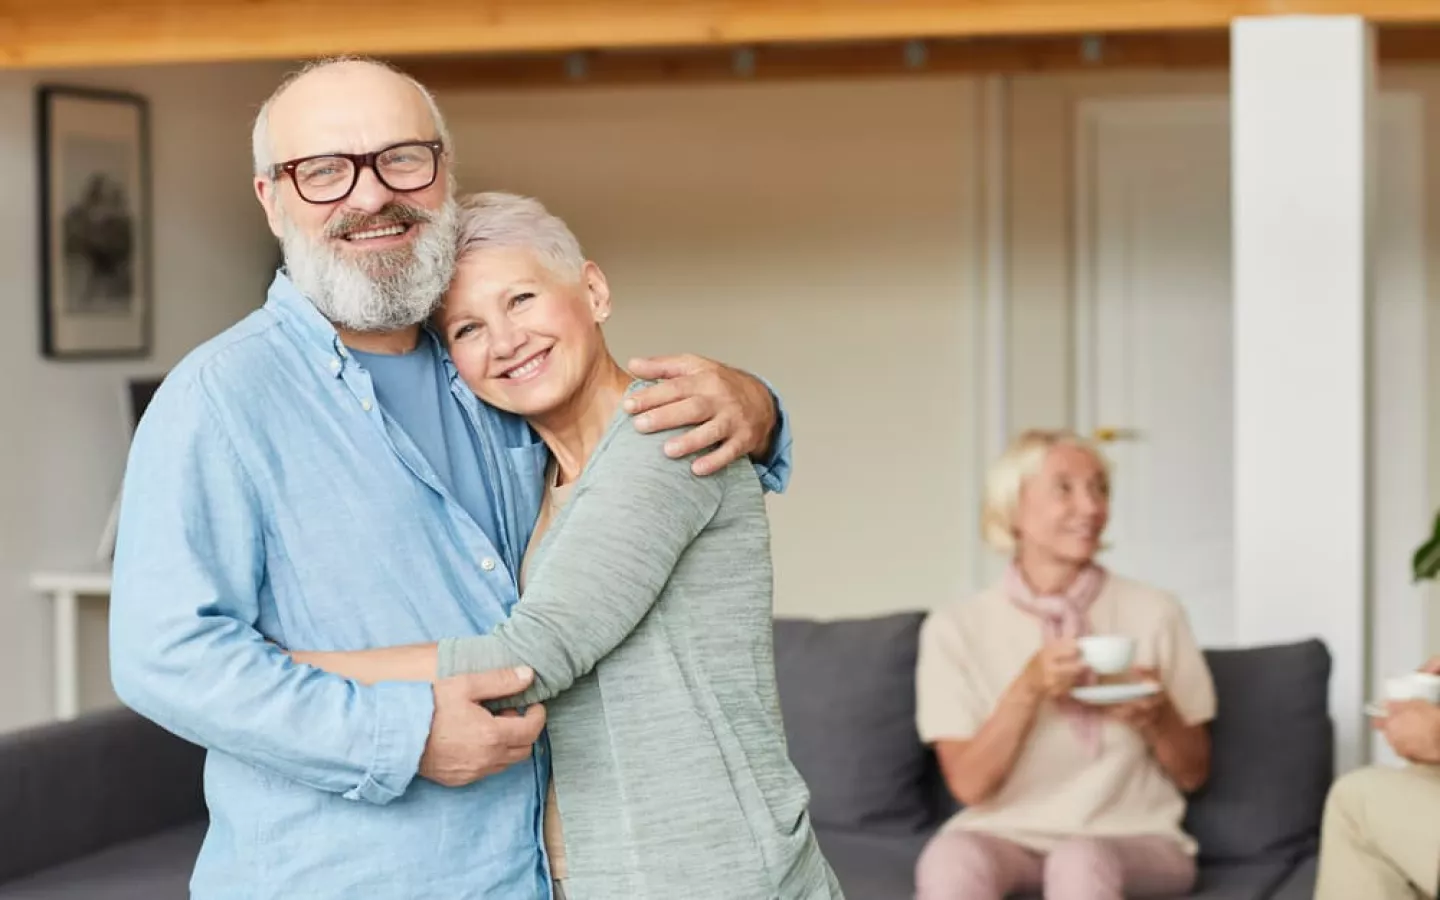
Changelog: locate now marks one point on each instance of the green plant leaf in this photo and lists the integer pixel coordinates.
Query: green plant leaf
(1426, 564)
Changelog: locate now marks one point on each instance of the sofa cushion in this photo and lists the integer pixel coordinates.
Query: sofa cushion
(74, 787)
(153, 868)
(1273, 755)
(1239, 881)
(847, 689)
(872, 866)
(1300, 883)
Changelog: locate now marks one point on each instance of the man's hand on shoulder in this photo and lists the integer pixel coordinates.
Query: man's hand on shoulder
(466, 741)
(732, 412)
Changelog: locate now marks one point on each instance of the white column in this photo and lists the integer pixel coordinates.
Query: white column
(1302, 190)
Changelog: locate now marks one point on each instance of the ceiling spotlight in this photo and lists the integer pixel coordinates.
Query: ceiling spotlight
(916, 54)
(743, 62)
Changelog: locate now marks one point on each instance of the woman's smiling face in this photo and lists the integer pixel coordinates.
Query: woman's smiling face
(523, 336)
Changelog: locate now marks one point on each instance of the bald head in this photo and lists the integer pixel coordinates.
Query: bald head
(353, 100)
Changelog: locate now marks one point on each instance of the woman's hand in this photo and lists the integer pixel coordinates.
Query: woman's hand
(1183, 751)
(1056, 668)
(1145, 714)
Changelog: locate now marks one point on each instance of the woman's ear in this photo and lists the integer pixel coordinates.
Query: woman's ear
(597, 291)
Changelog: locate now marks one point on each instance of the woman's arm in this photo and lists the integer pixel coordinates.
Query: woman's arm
(977, 768)
(1174, 722)
(606, 561)
(411, 662)
(630, 522)
(1181, 749)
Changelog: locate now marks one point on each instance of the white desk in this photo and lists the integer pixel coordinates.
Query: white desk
(65, 590)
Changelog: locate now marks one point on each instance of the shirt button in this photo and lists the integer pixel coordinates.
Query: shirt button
(487, 564)
(365, 405)
(334, 365)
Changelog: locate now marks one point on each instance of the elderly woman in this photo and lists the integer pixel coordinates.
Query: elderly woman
(645, 611)
(1083, 801)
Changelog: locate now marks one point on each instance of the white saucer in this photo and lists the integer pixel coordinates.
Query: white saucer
(1106, 694)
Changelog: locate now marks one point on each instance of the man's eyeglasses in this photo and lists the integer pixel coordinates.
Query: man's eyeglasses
(403, 168)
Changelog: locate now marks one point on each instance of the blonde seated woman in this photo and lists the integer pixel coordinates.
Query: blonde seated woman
(1084, 802)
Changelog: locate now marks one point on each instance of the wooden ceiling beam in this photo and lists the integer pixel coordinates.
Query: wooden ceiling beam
(66, 33)
(824, 61)
(1009, 56)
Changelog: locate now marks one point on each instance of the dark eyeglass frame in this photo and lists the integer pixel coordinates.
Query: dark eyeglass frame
(359, 161)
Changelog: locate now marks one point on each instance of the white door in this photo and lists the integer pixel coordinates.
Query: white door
(1153, 329)
(1153, 354)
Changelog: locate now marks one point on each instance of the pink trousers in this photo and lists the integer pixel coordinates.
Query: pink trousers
(967, 865)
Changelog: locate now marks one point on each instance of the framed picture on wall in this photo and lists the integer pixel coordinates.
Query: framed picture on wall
(96, 286)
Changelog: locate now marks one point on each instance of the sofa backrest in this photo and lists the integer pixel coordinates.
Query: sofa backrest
(72, 788)
(1272, 754)
(847, 689)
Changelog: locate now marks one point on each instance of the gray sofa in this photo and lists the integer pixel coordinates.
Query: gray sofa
(109, 807)
(847, 689)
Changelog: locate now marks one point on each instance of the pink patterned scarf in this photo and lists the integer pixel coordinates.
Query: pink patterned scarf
(1064, 615)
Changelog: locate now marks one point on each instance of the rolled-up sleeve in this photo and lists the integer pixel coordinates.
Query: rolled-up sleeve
(947, 705)
(184, 648)
(774, 471)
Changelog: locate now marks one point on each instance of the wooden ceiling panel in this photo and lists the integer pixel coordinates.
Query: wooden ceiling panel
(62, 33)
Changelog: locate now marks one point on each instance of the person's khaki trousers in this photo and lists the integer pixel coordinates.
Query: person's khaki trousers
(1381, 835)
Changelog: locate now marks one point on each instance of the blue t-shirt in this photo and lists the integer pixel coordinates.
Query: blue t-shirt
(414, 390)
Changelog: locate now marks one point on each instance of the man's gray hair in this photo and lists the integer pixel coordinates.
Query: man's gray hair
(498, 219)
(264, 153)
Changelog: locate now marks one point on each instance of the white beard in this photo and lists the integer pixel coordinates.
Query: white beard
(377, 291)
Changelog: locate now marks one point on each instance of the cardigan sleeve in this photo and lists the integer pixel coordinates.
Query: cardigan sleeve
(607, 559)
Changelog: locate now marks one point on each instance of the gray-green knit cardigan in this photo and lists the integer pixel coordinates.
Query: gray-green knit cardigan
(647, 619)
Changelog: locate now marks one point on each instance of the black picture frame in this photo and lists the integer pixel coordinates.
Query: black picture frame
(96, 223)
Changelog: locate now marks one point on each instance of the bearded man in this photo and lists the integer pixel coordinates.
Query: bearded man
(318, 476)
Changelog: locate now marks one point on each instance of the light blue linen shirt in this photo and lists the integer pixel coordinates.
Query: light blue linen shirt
(269, 496)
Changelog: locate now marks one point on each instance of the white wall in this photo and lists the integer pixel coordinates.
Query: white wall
(63, 439)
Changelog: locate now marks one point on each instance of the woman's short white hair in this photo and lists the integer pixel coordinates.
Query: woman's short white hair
(498, 219)
(1020, 462)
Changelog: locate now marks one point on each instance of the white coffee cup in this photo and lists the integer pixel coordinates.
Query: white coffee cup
(1107, 654)
(1413, 686)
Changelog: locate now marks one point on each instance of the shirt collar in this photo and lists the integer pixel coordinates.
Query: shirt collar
(296, 311)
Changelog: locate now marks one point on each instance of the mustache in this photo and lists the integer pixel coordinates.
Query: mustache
(389, 214)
